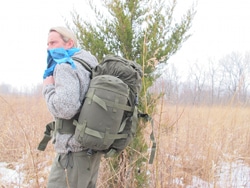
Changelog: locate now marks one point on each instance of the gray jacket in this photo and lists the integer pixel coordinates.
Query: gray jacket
(65, 97)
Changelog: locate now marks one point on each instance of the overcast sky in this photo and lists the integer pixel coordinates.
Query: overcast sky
(219, 28)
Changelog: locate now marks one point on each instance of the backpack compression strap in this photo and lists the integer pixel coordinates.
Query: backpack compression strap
(153, 149)
(47, 136)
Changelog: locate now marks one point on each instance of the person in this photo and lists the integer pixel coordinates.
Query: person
(64, 86)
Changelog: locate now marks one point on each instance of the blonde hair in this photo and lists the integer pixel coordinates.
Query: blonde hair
(65, 33)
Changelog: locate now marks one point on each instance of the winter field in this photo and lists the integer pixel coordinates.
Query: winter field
(197, 146)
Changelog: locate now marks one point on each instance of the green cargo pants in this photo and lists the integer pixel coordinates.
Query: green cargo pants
(74, 170)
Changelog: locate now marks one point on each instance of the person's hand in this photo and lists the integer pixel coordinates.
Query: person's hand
(48, 80)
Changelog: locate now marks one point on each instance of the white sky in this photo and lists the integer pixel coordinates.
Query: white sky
(219, 27)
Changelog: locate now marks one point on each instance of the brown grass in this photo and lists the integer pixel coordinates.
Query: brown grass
(191, 141)
(22, 126)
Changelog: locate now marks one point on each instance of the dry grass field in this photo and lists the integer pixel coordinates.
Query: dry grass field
(197, 146)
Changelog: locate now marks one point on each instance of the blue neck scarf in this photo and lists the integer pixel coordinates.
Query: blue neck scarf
(58, 56)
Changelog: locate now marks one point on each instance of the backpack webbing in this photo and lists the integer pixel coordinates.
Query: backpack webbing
(50, 128)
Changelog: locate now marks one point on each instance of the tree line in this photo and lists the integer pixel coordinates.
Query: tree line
(221, 82)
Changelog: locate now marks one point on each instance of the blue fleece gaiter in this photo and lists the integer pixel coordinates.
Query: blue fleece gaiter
(58, 56)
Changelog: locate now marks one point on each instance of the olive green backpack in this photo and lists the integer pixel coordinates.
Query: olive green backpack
(109, 116)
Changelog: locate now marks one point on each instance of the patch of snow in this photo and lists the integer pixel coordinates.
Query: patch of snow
(233, 175)
(10, 176)
(236, 174)
(197, 182)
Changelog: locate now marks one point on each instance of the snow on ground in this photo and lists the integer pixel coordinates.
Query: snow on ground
(10, 176)
(236, 174)
(229, 175)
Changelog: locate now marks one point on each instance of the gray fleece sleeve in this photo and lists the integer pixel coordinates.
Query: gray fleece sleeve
(63, 98)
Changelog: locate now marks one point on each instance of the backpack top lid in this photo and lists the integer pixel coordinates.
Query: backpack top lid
(128, 71)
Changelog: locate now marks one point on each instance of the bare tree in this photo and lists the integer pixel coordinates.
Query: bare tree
(197, 77)
(235, 69)
(219, 82)
(172, 84)
(212, 70)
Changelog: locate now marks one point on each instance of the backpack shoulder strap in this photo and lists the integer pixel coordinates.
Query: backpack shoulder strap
(86, 65)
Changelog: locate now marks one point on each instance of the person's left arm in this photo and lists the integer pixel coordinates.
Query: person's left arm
(62, 92)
